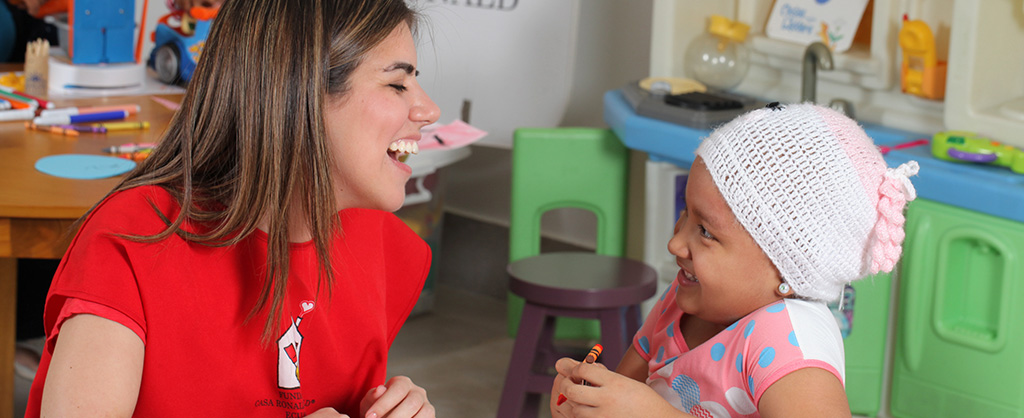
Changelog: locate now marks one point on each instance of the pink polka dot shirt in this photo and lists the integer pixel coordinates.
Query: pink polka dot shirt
(725, 376)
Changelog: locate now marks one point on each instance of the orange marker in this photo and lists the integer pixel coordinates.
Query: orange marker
(591, 358)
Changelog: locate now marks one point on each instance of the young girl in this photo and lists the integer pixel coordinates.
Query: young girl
(785, 206)
(250, 266)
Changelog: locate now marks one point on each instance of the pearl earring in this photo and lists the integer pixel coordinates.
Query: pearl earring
(783, 288)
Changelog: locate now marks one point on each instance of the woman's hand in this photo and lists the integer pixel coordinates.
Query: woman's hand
(398, 398)
(609, 394)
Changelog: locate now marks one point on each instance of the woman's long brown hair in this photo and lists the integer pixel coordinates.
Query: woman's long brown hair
(249, 138)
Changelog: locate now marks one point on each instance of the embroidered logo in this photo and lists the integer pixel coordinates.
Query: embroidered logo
(289, 347)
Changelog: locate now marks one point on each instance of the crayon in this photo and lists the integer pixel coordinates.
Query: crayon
(591, 358)
(39, 102)
(121, 126)
(52, 129)
(130, 108)
(85, 128)
(129, 148)
(87, 117)
(17, 114)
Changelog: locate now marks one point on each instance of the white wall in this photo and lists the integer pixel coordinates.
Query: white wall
(156, 9)
(613, 48)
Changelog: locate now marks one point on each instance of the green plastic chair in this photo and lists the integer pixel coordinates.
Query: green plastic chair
(585, 168)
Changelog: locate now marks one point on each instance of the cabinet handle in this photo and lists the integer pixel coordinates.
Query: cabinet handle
(913, 327)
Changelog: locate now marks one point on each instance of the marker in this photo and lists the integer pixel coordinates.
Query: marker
(19, 102)
(129, 148)
(130, 108)
(88, 117)
(17, 114)
(121, 126)
(4, 104)
(39, 102)
(591, 358)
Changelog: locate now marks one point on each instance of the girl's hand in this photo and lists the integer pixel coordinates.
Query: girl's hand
(564, 410)
(609, 394)
(326, 413)
(398, 398)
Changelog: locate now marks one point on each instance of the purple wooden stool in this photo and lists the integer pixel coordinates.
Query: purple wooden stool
(569, 284)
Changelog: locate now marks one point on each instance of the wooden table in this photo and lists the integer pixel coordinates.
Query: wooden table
(36, 209)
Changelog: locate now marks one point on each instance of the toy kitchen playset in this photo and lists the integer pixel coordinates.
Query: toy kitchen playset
(937, 81)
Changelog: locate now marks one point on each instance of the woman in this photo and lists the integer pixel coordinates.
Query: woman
(250, 266)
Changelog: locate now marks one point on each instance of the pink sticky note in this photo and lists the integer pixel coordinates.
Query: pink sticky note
(453, 135)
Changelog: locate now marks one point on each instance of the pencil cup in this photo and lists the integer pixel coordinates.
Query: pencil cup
(37, 67)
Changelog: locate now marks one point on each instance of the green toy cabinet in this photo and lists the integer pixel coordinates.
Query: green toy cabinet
(959, 349)
(864, 322)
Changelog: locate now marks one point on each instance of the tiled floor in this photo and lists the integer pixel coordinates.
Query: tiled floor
(458, 352)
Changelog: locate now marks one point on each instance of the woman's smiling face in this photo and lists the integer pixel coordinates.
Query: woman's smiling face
(382, 111)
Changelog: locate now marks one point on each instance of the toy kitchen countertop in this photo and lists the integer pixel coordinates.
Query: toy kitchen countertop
(992, 190)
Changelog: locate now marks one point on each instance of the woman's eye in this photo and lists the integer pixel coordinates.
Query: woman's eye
(399, 87)
(704, 232)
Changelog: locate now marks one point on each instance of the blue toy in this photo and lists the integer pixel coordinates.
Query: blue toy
(102, 31)
(178, 42)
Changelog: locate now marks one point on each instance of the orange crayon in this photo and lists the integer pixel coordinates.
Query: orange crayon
(591, 358)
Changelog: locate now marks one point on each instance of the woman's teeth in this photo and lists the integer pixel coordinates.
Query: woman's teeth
(410, 147)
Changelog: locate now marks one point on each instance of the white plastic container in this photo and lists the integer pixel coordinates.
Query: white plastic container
(985, 77)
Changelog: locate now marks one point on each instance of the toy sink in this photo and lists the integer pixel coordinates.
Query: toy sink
(993, 190)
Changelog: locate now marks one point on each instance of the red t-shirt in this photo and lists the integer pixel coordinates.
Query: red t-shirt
(191, 301)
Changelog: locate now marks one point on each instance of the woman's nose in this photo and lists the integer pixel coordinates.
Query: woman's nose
(424, 110)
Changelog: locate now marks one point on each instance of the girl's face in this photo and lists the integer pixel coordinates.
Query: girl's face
(383, 109)
(723, 274)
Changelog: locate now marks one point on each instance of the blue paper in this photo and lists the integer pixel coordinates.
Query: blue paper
(84, 166)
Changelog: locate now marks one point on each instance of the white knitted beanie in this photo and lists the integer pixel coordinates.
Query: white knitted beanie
(814, 192)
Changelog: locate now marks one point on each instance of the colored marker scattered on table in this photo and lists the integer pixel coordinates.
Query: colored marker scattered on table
(18, 101)
(591, 358)
(17, 114)
(39, 102)
(83, 118)
(130, 108)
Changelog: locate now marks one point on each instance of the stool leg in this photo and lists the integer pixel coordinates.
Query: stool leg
(612, 337)
(521, 364)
